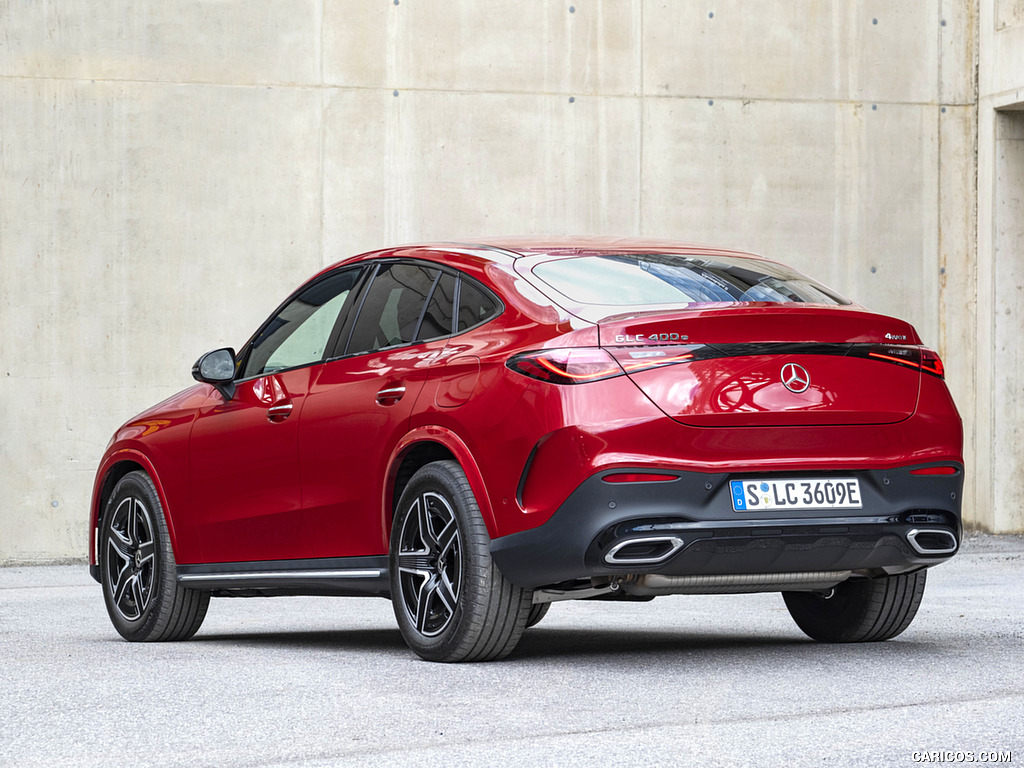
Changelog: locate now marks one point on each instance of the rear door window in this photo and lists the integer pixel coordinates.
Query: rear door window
(393, 307)
(437, 320)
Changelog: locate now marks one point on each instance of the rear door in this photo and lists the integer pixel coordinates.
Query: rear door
(360, 405)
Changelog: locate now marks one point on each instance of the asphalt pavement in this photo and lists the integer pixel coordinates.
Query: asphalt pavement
(680, 681)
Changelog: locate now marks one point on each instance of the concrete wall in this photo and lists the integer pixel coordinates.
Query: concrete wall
(169, 171)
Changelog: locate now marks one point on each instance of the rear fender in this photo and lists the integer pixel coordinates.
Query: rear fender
(459, 450)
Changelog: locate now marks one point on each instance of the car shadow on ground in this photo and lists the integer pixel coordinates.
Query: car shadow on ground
(356, 640)
(547, 644)
(554, 643)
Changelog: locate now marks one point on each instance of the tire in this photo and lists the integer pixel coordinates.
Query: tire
(137, 568)
(451, 601)
(859, 611)
(537, 612)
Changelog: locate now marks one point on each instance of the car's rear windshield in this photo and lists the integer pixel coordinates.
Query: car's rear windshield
(632, 279)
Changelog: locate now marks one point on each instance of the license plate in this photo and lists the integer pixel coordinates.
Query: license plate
(795, 493)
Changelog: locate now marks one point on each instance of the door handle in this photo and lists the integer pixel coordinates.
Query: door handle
(279, 412)
(391, 395)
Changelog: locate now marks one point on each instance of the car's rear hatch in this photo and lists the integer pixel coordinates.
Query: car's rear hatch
(769, 364)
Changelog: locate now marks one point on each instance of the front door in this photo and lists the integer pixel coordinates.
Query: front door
(245, 470)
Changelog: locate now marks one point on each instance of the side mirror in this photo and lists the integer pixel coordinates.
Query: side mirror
(217, 368)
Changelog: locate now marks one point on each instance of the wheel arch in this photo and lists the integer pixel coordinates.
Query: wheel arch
(418, 448)
(115, 467)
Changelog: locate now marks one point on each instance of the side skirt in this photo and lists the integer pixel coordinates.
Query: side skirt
(340, 576)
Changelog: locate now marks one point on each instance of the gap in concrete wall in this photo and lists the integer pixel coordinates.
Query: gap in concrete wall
(1008, 241)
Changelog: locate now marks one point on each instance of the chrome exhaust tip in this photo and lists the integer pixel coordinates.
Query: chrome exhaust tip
(931, 541)
(647, 551)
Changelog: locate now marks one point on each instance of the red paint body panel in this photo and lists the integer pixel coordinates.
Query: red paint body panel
(749, 392)
(157, 440)
(346, 436)
(246, 501)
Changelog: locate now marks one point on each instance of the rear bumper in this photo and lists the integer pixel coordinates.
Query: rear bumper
(688, 527)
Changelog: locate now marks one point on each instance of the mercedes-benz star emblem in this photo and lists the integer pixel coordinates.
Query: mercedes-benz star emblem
(795, 378)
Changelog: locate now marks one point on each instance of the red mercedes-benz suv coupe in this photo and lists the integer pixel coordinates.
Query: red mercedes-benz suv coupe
(477, 430)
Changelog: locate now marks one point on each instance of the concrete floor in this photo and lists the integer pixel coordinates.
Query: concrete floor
(704, 681)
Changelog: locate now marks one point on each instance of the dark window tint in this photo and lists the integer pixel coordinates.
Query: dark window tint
(391, 311)
(475, 306)
(672, 279)
(298, 334)
(437, 320)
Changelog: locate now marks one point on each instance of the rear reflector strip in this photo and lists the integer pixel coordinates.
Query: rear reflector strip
(638, 477)
(890, 359)
(634, 360)
(934, 471)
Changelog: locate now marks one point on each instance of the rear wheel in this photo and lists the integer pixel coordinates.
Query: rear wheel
(859, 611)
(451, 601)
(137, 568)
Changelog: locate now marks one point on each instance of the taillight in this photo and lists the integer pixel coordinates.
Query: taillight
(932, 363)
(577, 365)
(917, 358)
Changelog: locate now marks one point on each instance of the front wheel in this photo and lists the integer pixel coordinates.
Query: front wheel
(137, 568)
(859, 611)
(451, 601)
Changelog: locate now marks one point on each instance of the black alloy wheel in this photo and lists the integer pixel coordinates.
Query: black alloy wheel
(430, 563)
(130, 561)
